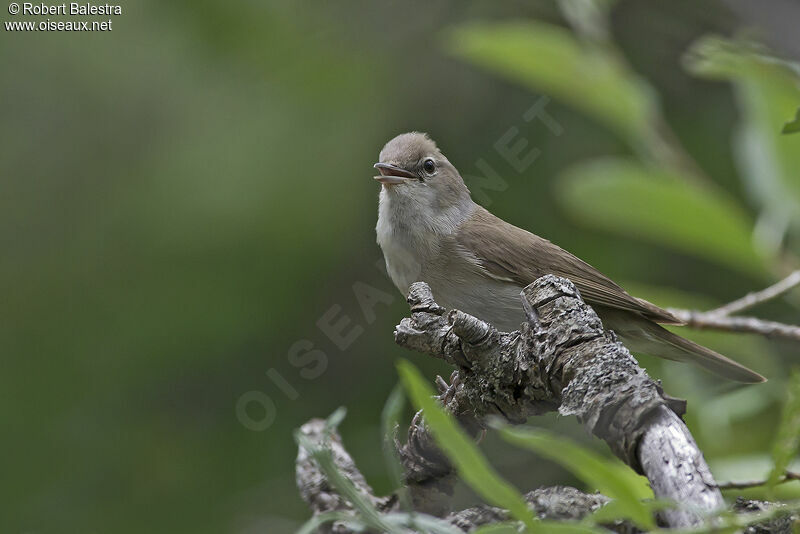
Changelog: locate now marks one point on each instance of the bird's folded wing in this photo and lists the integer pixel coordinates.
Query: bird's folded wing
(513, 254)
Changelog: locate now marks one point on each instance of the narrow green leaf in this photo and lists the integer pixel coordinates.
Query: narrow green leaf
(470, 463)
(321, 453)
(787, 443)
(767, 91)
(794, 125)
(638, 484)
(390, 418)
(549, 59)
(586, 465)
(628, 198)
(335, 419)
(613, 511)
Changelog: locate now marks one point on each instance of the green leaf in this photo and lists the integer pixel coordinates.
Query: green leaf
(612, 511)
(637, 483)
(470, 463)
(586, 465)
(321, 453)
(788, 441)
(390, 418)
(549, 59)
(335, 419)
(792, 126)
(628, 198)
(767, 90)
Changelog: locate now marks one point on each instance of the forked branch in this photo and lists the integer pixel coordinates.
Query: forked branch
(721, 318)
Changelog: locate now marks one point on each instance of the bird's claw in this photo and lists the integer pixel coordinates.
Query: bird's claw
(448, 391)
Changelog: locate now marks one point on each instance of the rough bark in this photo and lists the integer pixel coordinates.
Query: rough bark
(562, 359)
(555, 503)
(314, 486)
(558, 502)
(675, 468)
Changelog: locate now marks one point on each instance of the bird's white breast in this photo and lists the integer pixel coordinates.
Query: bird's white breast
(414, 252)
(403, 249)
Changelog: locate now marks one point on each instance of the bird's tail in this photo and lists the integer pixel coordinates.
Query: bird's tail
(658, 341)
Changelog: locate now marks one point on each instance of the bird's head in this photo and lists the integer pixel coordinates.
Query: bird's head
(412, 168)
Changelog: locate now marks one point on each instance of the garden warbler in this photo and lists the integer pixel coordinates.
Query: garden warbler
(430, 230)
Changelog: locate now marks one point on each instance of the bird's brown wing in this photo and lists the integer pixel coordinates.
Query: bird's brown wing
(510, 253)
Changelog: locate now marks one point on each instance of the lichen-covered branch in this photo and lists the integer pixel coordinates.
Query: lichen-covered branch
(553, 503)
(560, 360)
(314, 486)
(558, 503)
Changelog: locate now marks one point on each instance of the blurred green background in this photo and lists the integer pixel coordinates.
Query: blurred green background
(184, 197)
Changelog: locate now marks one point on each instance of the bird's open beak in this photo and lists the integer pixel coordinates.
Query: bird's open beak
(392, 175)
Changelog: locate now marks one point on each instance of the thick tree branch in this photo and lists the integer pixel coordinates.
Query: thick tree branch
(559, 502)
(676, 468)
(562, 359)
(556, 503)
(314, 486)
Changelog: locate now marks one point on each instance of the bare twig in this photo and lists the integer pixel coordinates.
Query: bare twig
(787, 477)
(757, 297)
(713, 321)
(720, 318)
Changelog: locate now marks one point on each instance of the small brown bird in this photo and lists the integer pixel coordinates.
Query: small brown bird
(430, 230)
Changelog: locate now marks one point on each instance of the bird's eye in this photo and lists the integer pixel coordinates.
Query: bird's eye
(429, 166)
